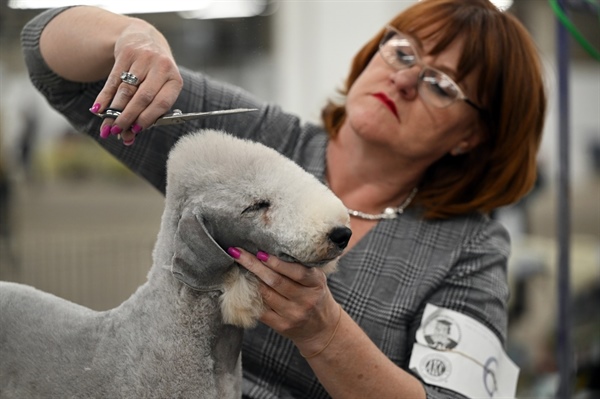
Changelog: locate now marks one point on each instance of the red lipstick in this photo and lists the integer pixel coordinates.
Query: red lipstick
(387, 102)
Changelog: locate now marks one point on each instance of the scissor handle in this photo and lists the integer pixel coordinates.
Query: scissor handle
(112, 113)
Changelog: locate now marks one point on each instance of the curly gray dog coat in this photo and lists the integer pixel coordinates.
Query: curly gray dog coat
(179, 335)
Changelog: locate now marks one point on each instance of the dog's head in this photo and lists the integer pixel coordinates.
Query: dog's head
(231, 192)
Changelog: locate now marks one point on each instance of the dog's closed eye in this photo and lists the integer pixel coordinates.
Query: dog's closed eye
(257, 206)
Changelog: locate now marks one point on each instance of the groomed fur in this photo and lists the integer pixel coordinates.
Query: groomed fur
(179, 334)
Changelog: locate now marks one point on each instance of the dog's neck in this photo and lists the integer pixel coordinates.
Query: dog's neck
(192, 312)
(184, 327)
(171, 315)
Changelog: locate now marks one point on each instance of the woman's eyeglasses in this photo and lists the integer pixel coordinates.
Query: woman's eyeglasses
(434, 86)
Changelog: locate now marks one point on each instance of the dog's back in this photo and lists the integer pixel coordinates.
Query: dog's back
(38, 333)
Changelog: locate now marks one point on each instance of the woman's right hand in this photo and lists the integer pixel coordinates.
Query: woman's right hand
(142, 50)
(86, 44)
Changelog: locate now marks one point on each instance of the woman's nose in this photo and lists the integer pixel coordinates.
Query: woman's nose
(407, 81)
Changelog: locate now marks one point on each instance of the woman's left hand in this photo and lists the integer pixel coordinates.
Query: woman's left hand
(298, 302)
(301, 308)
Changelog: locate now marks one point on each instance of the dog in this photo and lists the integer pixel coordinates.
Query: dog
(180, 333)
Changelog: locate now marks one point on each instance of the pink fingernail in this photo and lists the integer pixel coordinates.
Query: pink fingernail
(115, 130)
(130, 142)
(105, 131)
(234, 252)
(136, 128)
(95, 108)
(262, 256)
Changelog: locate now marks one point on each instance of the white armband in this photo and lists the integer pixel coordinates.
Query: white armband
(459, 353)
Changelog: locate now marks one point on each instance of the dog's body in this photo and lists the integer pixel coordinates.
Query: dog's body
(179, 334)
(53, 348)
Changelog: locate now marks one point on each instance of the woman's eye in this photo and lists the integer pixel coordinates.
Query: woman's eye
(438, 88)
(257, 206)
(405, 56)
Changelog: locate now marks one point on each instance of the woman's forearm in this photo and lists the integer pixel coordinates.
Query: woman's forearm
(353, 367)
(78, 44)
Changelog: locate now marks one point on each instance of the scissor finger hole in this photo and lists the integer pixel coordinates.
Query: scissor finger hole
(110, 113)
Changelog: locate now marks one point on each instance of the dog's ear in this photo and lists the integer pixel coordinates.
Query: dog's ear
(198, 261)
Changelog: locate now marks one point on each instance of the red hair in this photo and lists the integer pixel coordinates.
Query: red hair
(501, 169)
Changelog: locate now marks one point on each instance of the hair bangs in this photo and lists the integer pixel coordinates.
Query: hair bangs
(444, 24)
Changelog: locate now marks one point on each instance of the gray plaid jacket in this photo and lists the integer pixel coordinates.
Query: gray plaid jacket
(384, 282)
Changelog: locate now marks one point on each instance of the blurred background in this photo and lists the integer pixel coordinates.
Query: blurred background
(76, 223)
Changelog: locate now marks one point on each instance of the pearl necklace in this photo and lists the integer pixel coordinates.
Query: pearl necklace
(388, 213)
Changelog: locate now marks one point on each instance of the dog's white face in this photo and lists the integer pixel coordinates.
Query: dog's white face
(291, 226)
(250, 196)
(227, 192)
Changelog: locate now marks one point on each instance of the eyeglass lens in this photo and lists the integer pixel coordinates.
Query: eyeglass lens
(436, 87)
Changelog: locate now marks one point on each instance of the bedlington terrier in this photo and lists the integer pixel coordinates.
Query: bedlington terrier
(179, 335)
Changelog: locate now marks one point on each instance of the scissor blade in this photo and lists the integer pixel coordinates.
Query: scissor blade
(175, 118)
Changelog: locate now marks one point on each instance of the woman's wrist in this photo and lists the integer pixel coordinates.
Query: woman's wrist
(318, 352)
(319, 341)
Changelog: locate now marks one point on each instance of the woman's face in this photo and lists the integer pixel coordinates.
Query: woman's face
(384, 108)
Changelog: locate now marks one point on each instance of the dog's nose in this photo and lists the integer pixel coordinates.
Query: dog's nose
(340, 236)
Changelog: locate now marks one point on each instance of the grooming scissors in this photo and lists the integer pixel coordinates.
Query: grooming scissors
(176, 116)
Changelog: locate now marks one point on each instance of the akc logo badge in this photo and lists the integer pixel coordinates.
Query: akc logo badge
(436, 367)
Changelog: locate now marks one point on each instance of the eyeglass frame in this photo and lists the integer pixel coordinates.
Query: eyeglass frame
(418, 61)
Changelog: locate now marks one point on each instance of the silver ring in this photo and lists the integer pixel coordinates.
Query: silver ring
(129, 78)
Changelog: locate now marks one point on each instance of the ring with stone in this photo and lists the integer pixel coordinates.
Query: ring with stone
(129, 78)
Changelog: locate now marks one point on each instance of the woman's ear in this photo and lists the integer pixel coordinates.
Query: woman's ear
(471, 140)
(458, 150)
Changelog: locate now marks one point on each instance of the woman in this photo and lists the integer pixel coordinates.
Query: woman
(442, 119)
